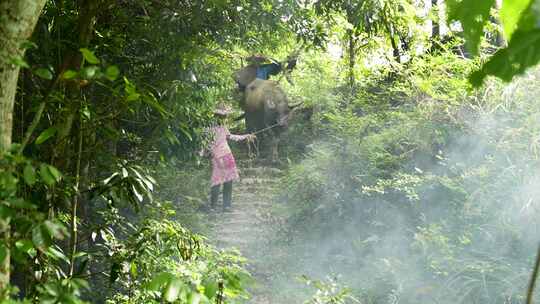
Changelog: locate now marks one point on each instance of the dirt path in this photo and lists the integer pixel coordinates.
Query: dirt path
(247, 226)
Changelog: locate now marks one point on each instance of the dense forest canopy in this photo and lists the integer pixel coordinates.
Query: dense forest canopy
(406, 174)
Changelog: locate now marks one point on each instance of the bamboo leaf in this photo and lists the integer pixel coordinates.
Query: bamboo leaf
(57, 254)
(54, 173)
(45, 135)
(152, 101)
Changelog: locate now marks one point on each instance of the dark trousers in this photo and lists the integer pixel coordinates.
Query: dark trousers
(227, 194)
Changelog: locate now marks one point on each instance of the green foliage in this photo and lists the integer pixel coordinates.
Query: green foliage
(473, 16)
(100, 105)
(519, 20)
(128, 184)
(114, 93)
(33, 243)
(329, 292)
(163, 261)
(420, 190)
(520, 54)
(511, 12)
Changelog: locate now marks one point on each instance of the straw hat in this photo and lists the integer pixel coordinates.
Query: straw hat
(223, 110)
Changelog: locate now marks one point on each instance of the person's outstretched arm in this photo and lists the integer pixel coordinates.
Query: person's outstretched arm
(235, 137)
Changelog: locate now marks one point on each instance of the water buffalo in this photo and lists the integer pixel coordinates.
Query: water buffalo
(266, 108)
(265, 104)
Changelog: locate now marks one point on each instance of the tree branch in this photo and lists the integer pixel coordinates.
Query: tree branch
(534, 276)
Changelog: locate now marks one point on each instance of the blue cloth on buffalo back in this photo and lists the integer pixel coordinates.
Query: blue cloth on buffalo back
(264, 71)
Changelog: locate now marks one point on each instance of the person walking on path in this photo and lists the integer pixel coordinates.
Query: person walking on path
(224, 170)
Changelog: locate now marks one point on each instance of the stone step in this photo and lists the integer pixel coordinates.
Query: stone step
(257, 162)
(236, 233)
(254, 190)
(251, 218)
(252, 198)
(258, 190)
(250, 224)
(244, 223)
(258, 181)
(249, 195)
(232, 241)
(261, 171)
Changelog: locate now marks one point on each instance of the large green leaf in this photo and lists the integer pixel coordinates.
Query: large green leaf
(89, 72)
(29, 174)
(46, 175)
(44, 73)
(89, 56)
(473, 15)
(173, 290)
(69, 74)
(49, 174)
(522, 52)
(511, 12)
(54, 229)
(40, 237)
(194, 298)
(26, 246)
(210, 288)
(159, 280)
(55, 173)
(112, 72)
(21, 203)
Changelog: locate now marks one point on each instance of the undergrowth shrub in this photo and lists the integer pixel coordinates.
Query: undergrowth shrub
(184, 187)
(422, 190)
(160, 260)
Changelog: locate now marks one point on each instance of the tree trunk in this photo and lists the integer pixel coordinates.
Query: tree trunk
(435, 26)
(352, 37)
(395, 46)
(17, 21)
(352, 60)
(88, 10)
